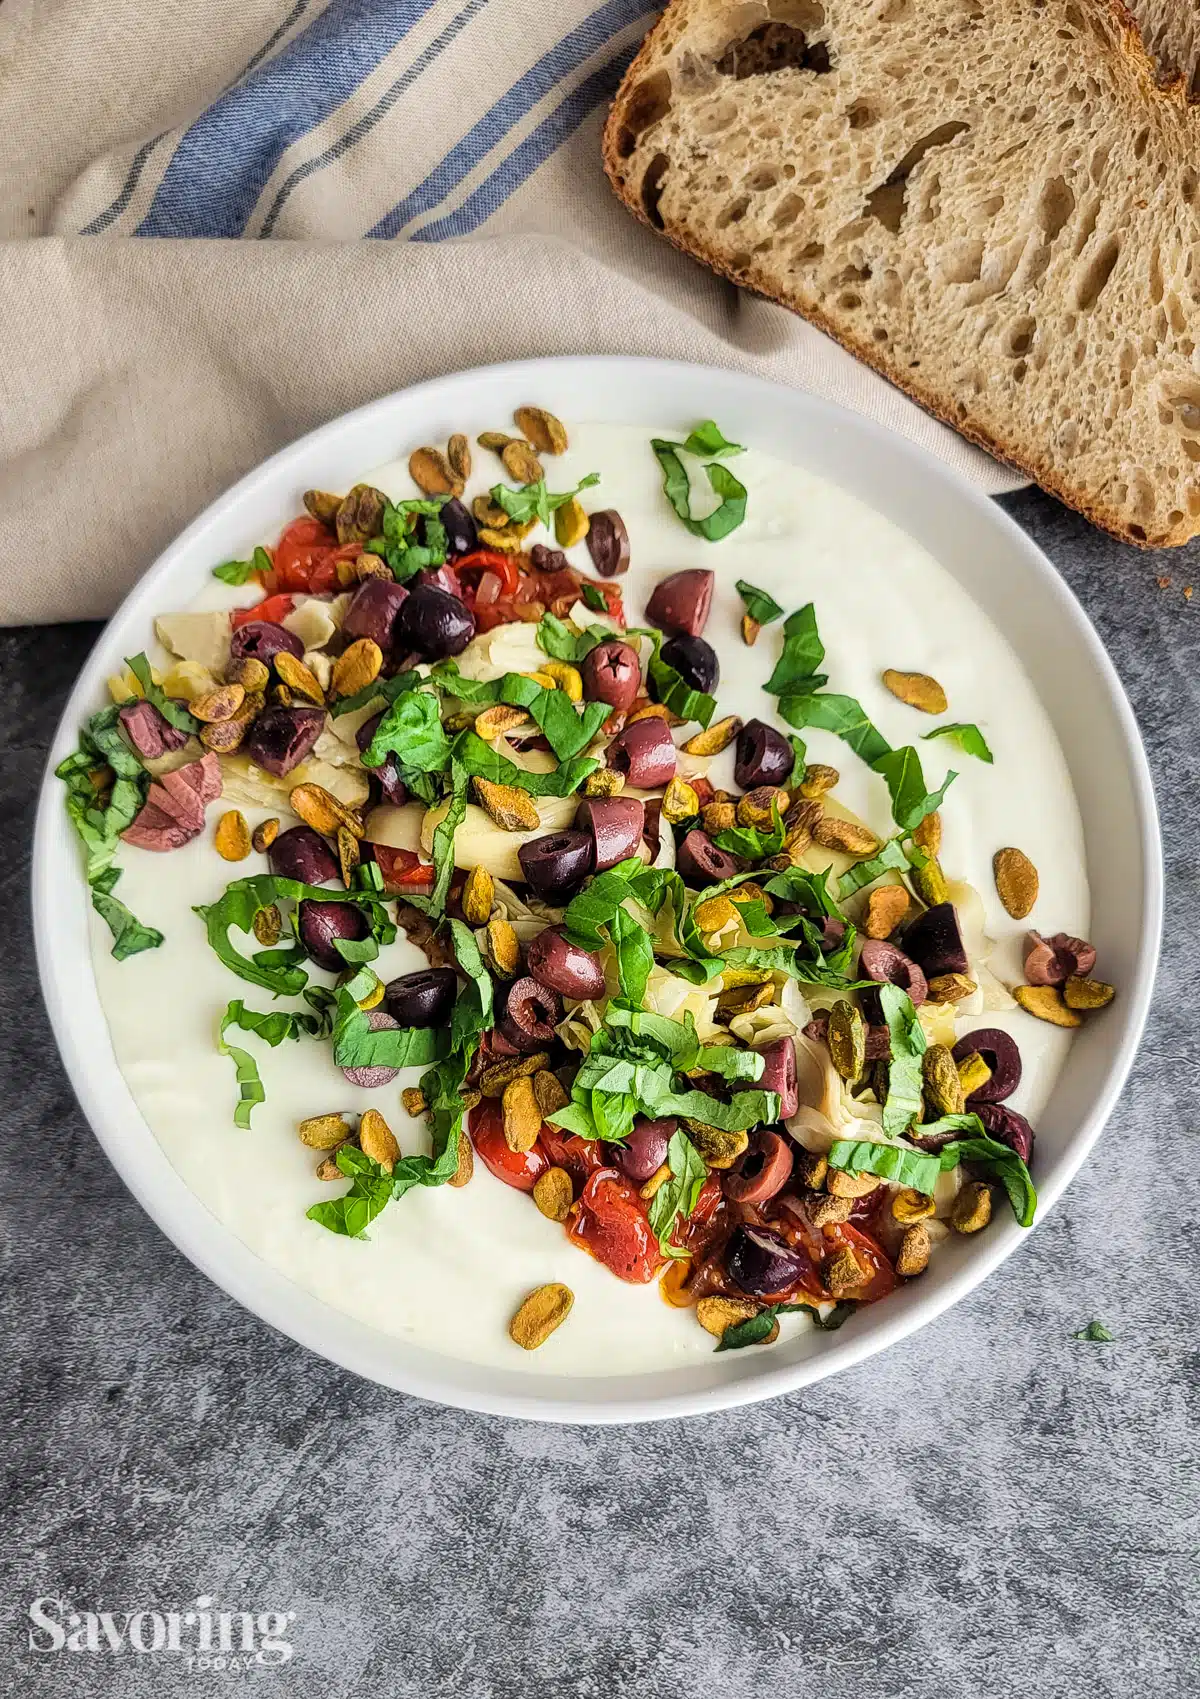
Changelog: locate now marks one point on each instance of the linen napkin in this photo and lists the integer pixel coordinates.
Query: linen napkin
(223, 222)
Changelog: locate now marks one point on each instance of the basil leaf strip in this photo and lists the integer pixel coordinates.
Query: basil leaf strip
(1000, 1160)
(904, 1167)
(756, 1328)
(130, 936)
(566, 731)
(709, 438)
(272, 1028)
(370, 1194)
(803, 652)
(237, 908)
(901, 770)
(383, 690)
(535, 501)
(677, 489)
(412, 730)
(674, 692)
(903, 1100)
(241, 571)
(677, 1196)
(967, 736)
(480, 761)
(761, 607)
(556, 639)
(177, 716)
(892, 858)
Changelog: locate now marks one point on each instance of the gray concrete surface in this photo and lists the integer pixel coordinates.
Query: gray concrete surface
(989, 1510)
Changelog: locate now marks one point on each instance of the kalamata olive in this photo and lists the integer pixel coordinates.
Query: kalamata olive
(935, 943)
(645, 1150)
(763, 1263)
(764, 756)
(300, 853)
(763, 1168)
(392, 788)
(695, 661)
(700, 862)
(280, 738)
(1048, 961)
(616, 824)
(1000, 1053)
(371, 1078)
(1008, 1127)
(887, 965)
(424, 998)
(556, 864)
(681, 602)
(612, 673)
(435, 623)
(779, 1075)
(262, 639)
(608, 542)
(150, 732)
(462, 535)
(531, 1013)
(319, 924)
(644, 752)
(372, 612)
(566, 968)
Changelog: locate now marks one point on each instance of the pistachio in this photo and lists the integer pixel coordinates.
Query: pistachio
(653, 711)
(759, 807)
(413, 1099)
(321, 810)
(605, 781)
(327, 1169)
(1080, 993)
(918, 690)
(715, 738)
(554, 1194)
(323, 506)
(547, 434)
(1046, 1002)
(812, 1168)
(232, 836)
(842, 1184)
(826, 1211)
(465, 1171)
(539, 1315)
(803, 816)
(951, 988)
(719, 816)
(433, 474)
(847, 1039)
(744, 999)
(655, 1183)
(750, 631)
(281, 696)
(490, 513)
(495, 721)
(566, 678)
(848, 836)
(217, 706)
(374, 996)
(714, 913)
(365, 565)
(378, 1140)
(250, 673)
(913, 1256)
(886, 908)
(349, 854)
(495, 440)
(479, 894)
(909, 1206)
(844, 1273)
(973, 1072)
(494, 1079)
(939, 1078)
(510, 808)
(507, 542)
(751, 892)
(930, 882)
(502, 948)
(818, 779)
(357, 667)
(360, 516)
(550, 1092)
(927, 835)
(972, 1208)
(522, 1117)
(570, 524)
(520, 462)
(267, 925)
(301, 680)
(718, 1148)
(1016, 881)
(458, 453)
(323, 1132)
(716, 1314)
(679, 802)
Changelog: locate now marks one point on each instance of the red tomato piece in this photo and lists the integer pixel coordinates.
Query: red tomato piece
(520, 1169)
(580, 1157)
(610, 1222)
(469, 568)
(403, 870)
(272, 608)
(302, 559)
(870, 1252)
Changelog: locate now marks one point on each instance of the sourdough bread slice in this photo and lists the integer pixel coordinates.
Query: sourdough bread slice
(994, 202)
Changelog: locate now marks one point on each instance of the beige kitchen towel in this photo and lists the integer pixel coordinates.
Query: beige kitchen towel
(223, 222)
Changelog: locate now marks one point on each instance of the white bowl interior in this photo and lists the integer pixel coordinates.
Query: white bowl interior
(994, 561)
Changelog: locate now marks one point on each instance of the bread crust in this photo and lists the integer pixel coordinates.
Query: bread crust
(1025, 457)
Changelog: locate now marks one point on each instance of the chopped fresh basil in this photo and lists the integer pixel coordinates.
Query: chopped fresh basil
(678, 490)
(412, 730)
(272, 1028)
(916, 1169)
(756, 1328)
(556, 639)
(130, 936)
(901, 771)
(241, 571)
(967, 736)
(709, 438)
(635, 954)
(761, 607)
(892, 858)
(384, 691)
(480, 761)
(1096, 1334)
(903, 1102)
(798, 667)
(752, 843)
(843, 715)
(670, 688)
(565, 730)
(179, 717)
(443, 837)
(473, 1011)
(275, 970)
(405, 556)
(534, 501)
(368, 1197)
(593, 597)
(837, 1317)
(677, 1196)
(999, 1160)
(356, 1046)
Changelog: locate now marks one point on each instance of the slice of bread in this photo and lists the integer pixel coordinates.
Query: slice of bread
(994, 202)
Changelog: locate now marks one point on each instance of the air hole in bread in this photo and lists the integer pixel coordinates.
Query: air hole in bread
(861, 115)
(886, 203)
(739, 261)
(1019, 370)
(1074, 17)
(651, 190)
(734, 212)
(765, 177)
(961, 262)
(772, 47)
(1020, 336)
(1183, 402)
(879, 334)
(1188, 185)
(849, 302)
(1156, 276)
(1191, 448)
(990, 207)
(810, 253)
(1140, 143)
(1139, 532)
(787, 212)
(1098, 164)
(1096, 273)
(1056, 203)
(647, 105)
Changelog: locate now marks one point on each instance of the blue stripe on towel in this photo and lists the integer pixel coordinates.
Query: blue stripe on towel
(224, 159)
(563, 58)
(536, 148)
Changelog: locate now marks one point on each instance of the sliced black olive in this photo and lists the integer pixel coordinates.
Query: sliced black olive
(695, 661)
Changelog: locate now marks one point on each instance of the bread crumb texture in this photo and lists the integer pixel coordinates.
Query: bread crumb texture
(994, 202)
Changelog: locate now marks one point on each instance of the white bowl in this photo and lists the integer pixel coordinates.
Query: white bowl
(994, 561)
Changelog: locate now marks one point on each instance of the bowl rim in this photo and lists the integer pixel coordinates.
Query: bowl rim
(143, 1165)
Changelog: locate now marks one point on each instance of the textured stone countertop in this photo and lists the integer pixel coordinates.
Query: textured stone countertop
(989, 1509)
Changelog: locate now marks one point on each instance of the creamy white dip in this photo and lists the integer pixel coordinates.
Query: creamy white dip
(446, 1268)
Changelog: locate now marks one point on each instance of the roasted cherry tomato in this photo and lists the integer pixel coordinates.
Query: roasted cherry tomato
(580, 1157)
(302, 558)
(518, 1168)
(610, 1222)
(470, 570)
(273, 608)
(868, 1251)
(403, 870)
